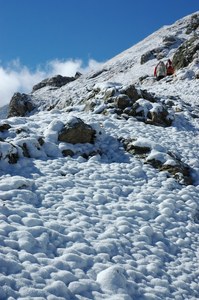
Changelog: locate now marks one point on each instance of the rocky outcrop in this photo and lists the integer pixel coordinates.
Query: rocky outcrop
(69, 135)
(193, 25)
(161, 52)
(150, 113)
(130, 101)
(76, 131)
(158, 157)
(56, 81)
(20, 105)
(186, 53)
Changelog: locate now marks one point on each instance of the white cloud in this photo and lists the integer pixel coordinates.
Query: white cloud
(19, 78)
(65, 67)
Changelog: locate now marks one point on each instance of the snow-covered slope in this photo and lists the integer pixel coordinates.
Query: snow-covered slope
(105, 222)
(126, 68)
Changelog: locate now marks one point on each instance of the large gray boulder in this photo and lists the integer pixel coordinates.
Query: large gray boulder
(76, 131)
(20, 105)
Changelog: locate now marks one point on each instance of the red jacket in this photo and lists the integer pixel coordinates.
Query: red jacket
(170, 69)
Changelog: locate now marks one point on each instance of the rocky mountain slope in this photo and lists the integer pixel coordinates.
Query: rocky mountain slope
(99, 174)
(133, 66)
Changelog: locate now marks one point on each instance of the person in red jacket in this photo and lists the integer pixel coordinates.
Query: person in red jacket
(169, 67)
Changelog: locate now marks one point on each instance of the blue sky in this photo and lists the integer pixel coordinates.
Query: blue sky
(36, 31)
(68, 34)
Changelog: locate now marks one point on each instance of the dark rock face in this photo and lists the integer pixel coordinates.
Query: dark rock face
(185, 54)
(77, 132)
(194, 24)
(56, 81)
(20, 105)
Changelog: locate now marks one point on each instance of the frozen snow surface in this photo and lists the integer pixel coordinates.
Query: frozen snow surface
(108, 226)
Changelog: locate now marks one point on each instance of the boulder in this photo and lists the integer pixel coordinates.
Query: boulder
(76, 131)
(122, 101)
(20, 105)
(4, 127)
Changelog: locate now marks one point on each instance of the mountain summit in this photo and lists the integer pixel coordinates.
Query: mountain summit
(99, 190)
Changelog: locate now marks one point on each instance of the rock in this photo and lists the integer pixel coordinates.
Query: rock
(67, 152)
(76, 131)
(134, 149)
(175, 168)
(147, 56)
(148, 96)
(77, 75)
(132, 92)
(159, 118)
(150, 113)
(180, 171)
(56, 81)
(25, 150)
(185, 54)
(4, 127)
(20, 105)
(158, 53)
(171, 40)
(122, 101)
(8, 152)
(193, 25)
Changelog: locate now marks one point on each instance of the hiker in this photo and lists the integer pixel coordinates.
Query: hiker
(170, 68)
(160, 70)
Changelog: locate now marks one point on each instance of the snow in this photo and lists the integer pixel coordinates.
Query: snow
(108, 226)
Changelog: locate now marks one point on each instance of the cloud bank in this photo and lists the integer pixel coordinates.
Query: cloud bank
(16, 77)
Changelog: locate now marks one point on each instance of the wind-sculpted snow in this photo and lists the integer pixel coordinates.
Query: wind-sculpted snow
(98, 220)
(105, 227)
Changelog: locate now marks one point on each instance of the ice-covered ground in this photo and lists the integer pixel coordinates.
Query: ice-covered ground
(107, 227)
